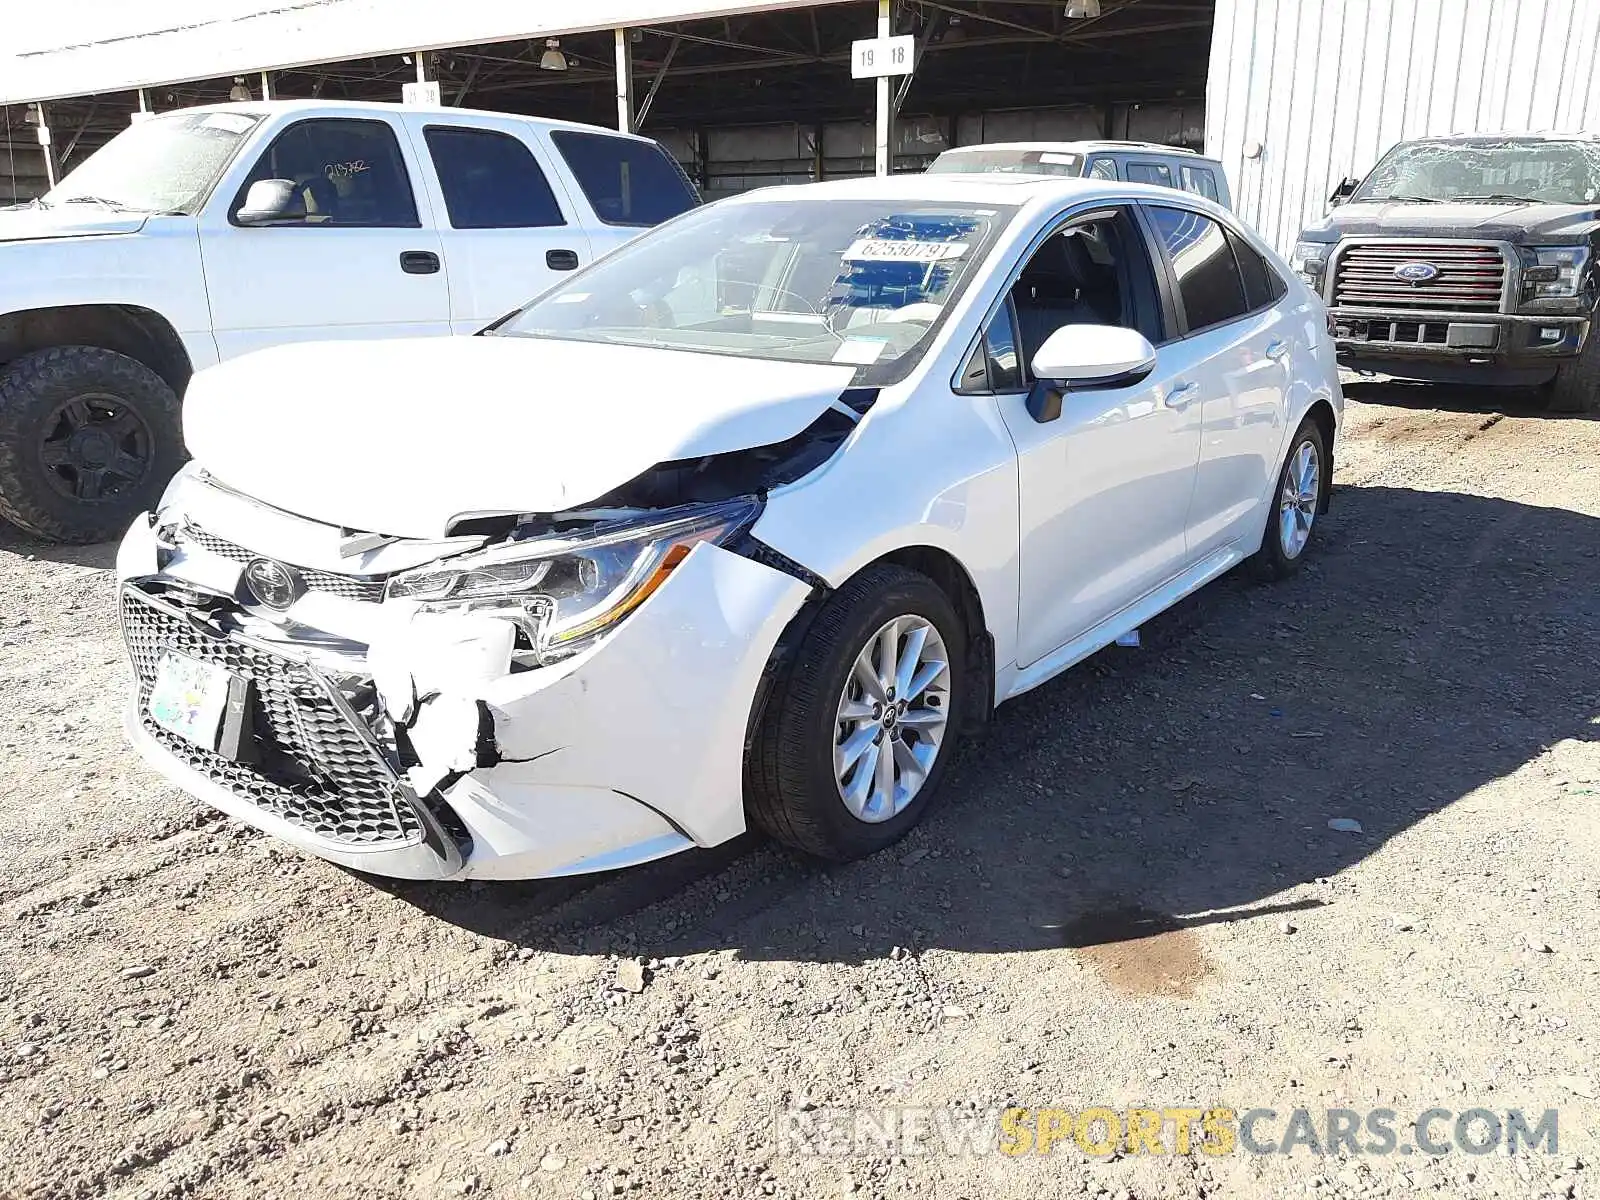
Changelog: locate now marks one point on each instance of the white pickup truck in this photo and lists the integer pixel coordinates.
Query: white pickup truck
(200, 234)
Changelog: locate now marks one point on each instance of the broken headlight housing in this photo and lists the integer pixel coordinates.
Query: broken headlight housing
(565, 589)
(1552, 272)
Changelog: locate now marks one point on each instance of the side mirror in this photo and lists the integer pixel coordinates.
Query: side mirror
(1346, 188)
(271, 200)
(1098, 356)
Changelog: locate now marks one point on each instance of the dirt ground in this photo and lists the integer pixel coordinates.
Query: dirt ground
(1131, 895)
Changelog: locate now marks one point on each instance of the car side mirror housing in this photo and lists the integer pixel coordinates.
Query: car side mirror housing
(1087, 356)
(1345, 190)
(270, 201)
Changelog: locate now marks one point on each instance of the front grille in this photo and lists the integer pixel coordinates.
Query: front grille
(1472, 276)
(316, 770)
(1404, 333)
(352, 587)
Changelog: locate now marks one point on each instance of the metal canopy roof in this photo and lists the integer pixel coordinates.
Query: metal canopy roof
(83, 47)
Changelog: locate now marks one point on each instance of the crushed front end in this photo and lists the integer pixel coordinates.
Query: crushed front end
(455, 707)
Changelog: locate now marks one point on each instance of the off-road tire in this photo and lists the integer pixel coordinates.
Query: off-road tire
(1272, 561)
(32, 390)
(790, 787)
(1576, 387)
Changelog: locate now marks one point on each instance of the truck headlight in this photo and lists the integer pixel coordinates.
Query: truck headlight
(1310, 261)
(1552, 272)
(565, 589)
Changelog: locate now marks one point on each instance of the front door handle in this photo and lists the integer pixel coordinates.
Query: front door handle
(1183, 395)
(419, 262)
(1277, 348)
(561, 260)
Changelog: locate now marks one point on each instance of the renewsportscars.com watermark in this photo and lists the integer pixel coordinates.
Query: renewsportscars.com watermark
(1101, 1131)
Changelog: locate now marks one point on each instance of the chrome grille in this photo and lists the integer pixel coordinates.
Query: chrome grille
(352, 587)
(1472, 276)
(318, 771)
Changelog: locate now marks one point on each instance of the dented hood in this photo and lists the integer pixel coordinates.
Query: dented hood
(404, 437)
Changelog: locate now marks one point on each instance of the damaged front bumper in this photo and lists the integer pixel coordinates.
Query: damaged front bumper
(412, 744)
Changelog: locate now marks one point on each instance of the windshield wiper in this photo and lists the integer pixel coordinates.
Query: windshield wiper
(1411, 200)
(1501, 196)
(119, 205)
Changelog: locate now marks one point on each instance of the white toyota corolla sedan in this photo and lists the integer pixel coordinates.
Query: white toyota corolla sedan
(745, 524)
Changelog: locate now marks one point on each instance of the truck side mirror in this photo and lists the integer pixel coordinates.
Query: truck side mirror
(270, 201)
(1345, 190)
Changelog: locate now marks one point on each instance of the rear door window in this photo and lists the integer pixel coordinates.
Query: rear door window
(1209, 281)
(490, 180)
(627, 182)
(1149, 172)
(1262, 285)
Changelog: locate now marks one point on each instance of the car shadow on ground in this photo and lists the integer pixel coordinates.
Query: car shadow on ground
(1439, 397)
(101, 555)
(1435, 642)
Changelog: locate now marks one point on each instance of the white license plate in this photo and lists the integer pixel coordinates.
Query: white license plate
(189, 697)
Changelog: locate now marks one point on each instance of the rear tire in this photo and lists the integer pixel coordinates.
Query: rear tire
(819, 712)
(1576, 387)
(1296, 503)
(88, 440)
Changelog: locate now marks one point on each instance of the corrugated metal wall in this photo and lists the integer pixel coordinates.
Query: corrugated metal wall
(1326, 86)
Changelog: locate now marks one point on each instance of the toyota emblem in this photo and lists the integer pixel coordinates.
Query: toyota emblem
(1417, 272)
(274, 584)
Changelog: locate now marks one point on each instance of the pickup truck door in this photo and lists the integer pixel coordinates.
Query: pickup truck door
(509, 226)
(364, 261)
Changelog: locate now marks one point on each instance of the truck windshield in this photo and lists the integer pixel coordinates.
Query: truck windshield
(162, 164)
(864, 283)
(1486, 171)
(1013, 161)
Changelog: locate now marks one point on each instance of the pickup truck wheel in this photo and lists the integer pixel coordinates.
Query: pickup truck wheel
(856, 736)
(1576, 387)
(88, 440)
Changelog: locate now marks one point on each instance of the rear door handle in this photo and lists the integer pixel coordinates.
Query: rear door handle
(1277, 348)
(419, 262)
(1183, 395)
(561, 260)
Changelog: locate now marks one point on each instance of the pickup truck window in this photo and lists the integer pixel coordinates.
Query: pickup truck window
(1145, 172)
(490, 180)
(1200, 181)
(627, 182)
(165, 164)
(349, 172)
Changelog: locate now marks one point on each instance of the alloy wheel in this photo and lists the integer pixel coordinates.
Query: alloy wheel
(1297, 504)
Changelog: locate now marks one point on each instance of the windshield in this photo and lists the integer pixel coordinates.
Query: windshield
(1012, 161)
(1487, 172)
(860, 282)
(162, 164)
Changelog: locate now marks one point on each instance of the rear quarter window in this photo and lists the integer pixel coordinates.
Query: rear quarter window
(627, 182)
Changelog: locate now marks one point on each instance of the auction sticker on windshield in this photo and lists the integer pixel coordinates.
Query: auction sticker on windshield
(188, 698)
(897, 250)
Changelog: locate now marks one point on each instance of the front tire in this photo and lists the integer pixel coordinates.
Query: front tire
(1576, 387)
(1296, 502)
(855, 738)
(88, 440)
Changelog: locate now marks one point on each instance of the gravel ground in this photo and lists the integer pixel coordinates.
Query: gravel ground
(1131, 895)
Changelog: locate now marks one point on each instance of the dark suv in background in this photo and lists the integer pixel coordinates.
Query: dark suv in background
(1468, 260)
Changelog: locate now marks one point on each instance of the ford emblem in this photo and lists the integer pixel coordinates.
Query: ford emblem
(1417, 272)
(274, 584)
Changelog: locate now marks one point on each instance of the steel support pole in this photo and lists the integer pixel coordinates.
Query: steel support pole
(885, 99)
(624, 81)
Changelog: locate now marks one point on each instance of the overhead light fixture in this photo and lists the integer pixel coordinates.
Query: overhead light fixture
(552, 59)
(955, 31)
(1083, 9)
(238, 91)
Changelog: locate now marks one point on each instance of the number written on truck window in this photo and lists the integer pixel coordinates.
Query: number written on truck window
(348, 173)
(627, 182)
(490, 180)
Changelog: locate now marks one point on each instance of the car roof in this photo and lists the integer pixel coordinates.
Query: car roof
(976, 188)
(1082, 147)
(355, 108)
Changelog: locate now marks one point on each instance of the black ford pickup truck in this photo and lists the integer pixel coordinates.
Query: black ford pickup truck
(1468, 260)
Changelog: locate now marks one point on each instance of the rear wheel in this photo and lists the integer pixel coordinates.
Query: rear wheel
(1295, 503)
(855, 739)
(88, 439)
(1576, 387)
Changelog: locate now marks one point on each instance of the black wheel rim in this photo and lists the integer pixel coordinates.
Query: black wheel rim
(95, 449)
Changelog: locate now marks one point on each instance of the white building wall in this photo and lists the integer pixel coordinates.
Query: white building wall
(1324, 87)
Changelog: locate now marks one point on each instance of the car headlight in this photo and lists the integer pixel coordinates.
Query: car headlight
(1552, 272)
(565, 589)
(1310, 261)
